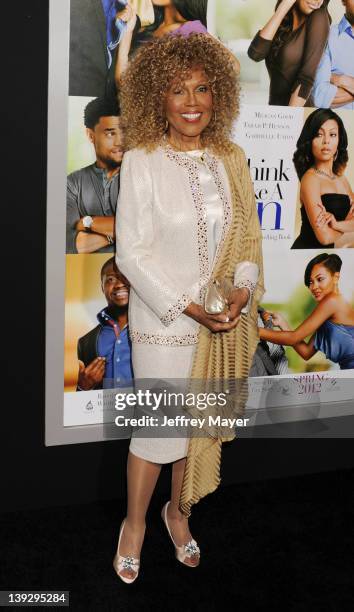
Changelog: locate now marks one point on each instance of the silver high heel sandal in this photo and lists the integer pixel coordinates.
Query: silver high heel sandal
(121, 563)
(186, 550)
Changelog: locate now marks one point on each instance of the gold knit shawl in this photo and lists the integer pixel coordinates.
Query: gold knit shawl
(226, 355)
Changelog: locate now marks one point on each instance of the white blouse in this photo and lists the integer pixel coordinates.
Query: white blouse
(247, 272)
(214, 207)
(173, 215)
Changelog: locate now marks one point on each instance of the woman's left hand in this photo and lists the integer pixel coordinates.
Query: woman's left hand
(321, 218)
(237, 300)
(325, 218)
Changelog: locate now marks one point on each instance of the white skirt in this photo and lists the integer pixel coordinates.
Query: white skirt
(161, 362)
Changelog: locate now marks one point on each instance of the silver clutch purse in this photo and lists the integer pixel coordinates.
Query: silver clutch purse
(217, 295)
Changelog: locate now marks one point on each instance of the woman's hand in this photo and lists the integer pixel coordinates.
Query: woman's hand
(237, 300)
(323, 217)
(326, 218)
(271, 27)
(128, 15)
(280, 321)
(333, 223)
(222, 322)
(276, 319)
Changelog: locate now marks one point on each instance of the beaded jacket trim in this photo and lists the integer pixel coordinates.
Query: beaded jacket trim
(176, 310)
(247, 284)
(191, 166)
(227, 208)
(198, 198)
(145, 338)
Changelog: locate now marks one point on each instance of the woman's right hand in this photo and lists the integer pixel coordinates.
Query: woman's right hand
(280, 321)
(128, 15)
(222, 322)
(271, 27)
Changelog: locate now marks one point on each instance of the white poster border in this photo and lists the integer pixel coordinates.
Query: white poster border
(56, 433)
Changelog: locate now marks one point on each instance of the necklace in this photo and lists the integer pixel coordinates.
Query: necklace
(323, 173)
(202, 157)
(176, 146)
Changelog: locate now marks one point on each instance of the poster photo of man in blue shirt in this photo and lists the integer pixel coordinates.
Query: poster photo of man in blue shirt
(104, 353)
(334, 82)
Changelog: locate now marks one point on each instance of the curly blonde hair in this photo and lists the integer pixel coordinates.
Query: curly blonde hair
(151, 72)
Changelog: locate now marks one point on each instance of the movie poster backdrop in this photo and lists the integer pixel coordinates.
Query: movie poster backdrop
(267, 132)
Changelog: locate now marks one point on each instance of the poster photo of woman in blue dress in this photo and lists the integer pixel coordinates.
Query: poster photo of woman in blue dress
(330, 326)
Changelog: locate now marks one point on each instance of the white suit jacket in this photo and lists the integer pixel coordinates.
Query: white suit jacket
(161, 242)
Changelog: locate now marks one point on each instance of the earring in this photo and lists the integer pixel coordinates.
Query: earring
(336, 155)
(166, 125)
(215, 115)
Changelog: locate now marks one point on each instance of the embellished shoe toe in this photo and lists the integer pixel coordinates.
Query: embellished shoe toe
(121, 563)
(186, 551)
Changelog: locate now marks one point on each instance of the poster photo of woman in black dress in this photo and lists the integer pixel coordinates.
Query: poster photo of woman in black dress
(280, 45)
(326, 196)
(291, 43)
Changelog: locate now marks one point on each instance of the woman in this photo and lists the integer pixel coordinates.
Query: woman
(171, 17)
(326, 197)
(186, 215)
(292, 43)
(330, 325)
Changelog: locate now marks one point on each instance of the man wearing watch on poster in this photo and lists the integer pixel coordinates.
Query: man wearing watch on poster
(92, 192)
